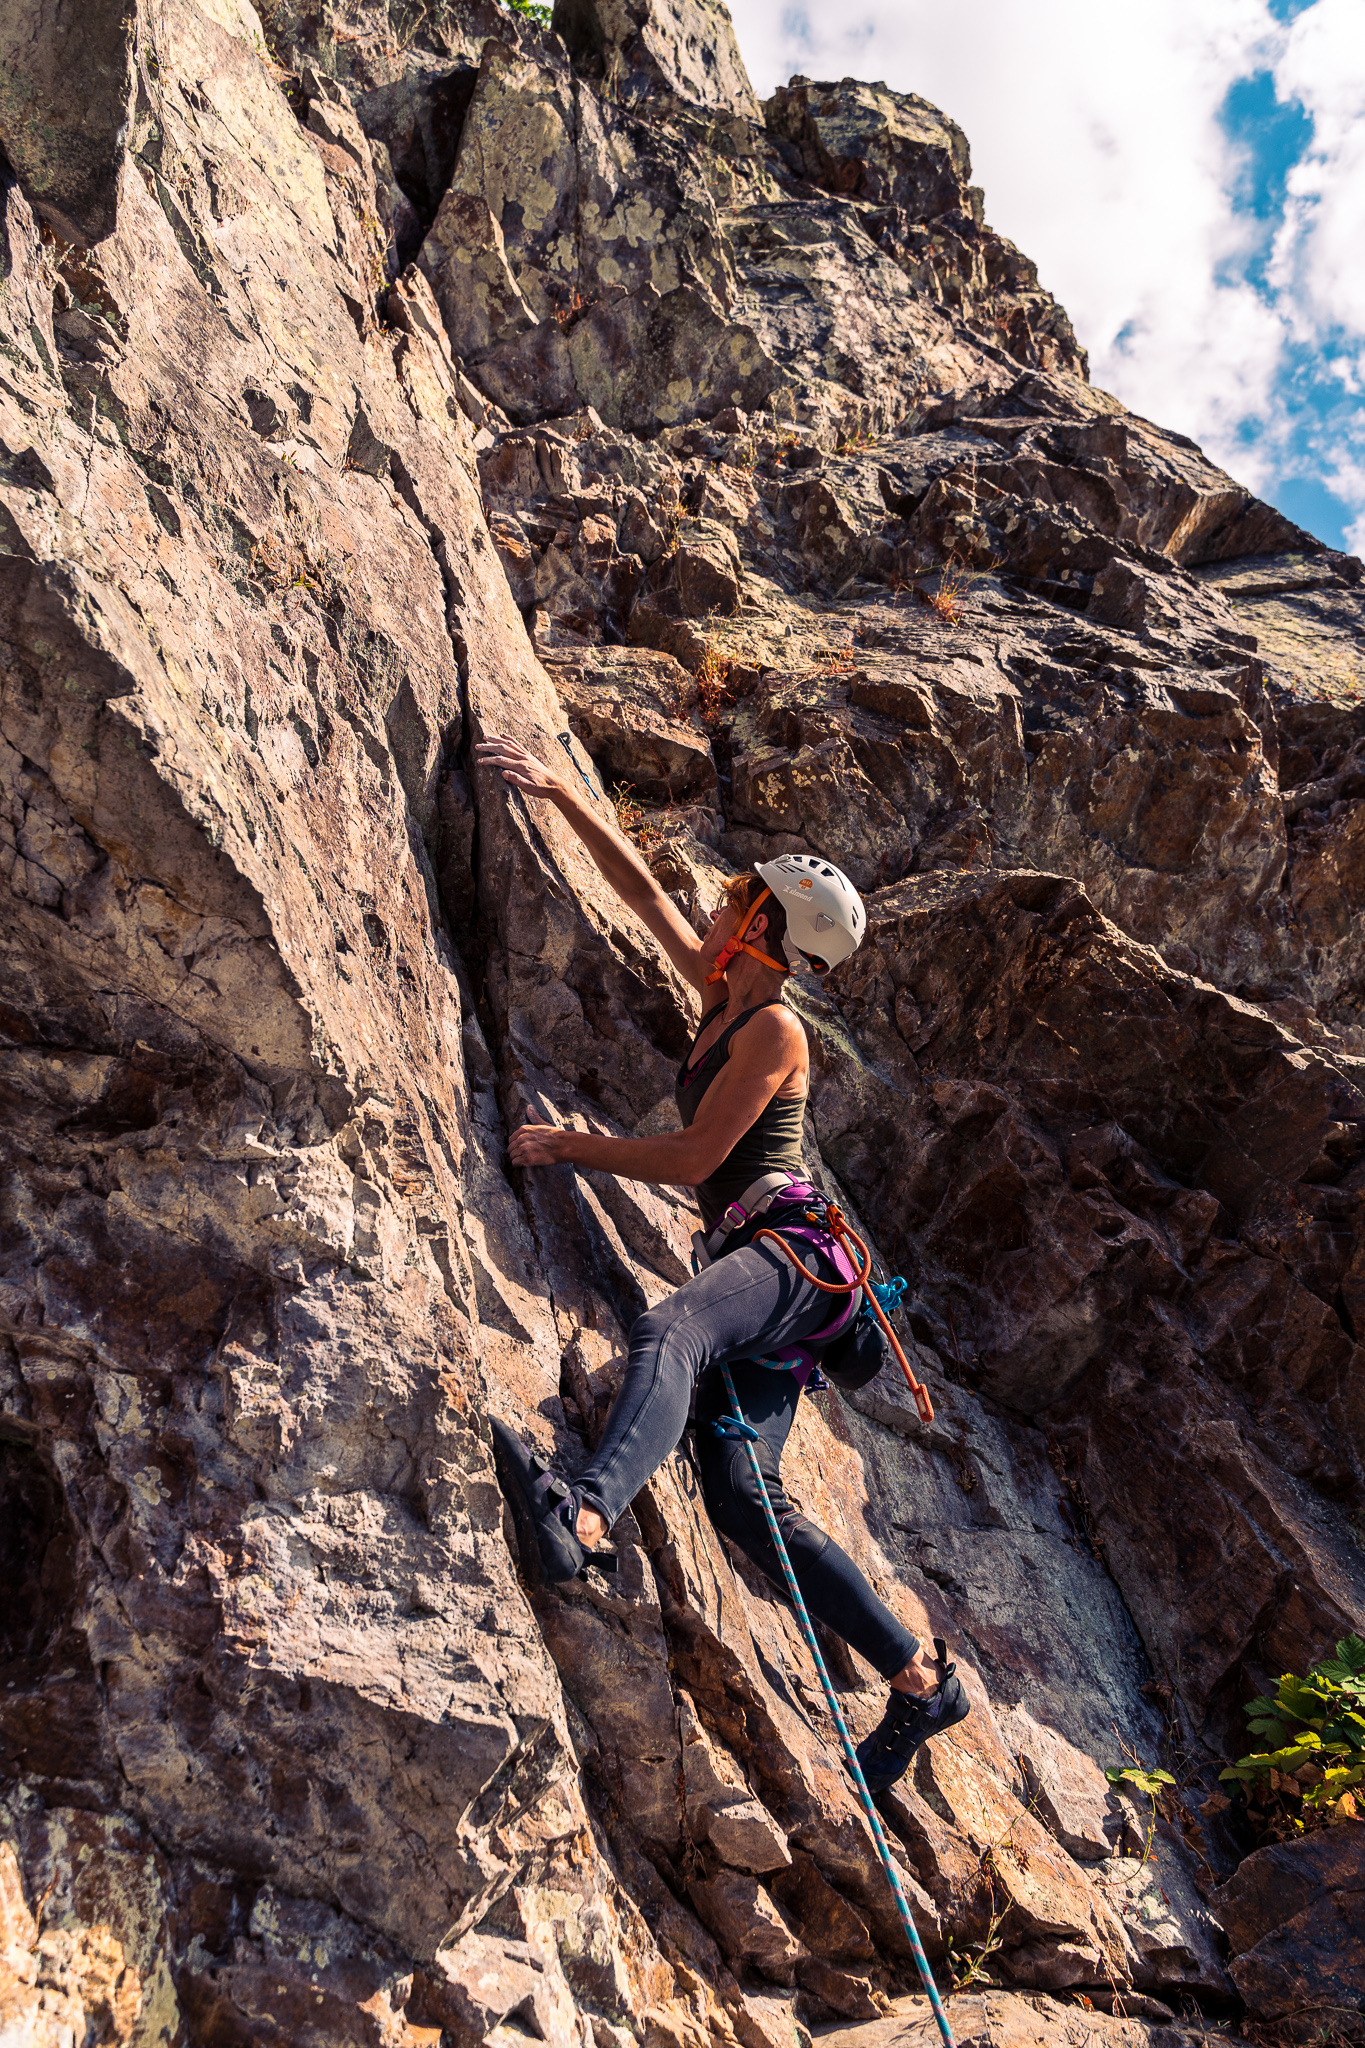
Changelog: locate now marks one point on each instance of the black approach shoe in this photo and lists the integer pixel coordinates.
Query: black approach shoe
(549, 1506)
(909, 1720)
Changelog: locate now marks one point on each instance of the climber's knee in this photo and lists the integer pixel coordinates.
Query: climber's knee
(731, 1498)
(806, 1543)
(668, 1337)
(733, 1503)
(650, 1331)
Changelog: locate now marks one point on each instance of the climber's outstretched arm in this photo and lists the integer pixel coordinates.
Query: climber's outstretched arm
(617, 859)
(765, 1055)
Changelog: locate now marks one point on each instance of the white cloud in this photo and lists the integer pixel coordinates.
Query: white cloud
(1344, 474)
(1317, 265)
(1097, 135)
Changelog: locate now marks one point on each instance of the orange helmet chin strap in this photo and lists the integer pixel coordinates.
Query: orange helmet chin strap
(736, 945)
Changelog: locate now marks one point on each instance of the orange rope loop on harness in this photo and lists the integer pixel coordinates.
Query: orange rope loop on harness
(844, 1234)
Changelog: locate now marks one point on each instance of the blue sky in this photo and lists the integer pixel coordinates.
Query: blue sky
(1189, 176)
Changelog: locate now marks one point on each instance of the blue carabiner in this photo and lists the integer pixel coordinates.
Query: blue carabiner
(735, 1426)
(888, 1293)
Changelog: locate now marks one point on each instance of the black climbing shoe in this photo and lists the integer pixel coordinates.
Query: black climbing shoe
(548, 1504)
(909, 1720)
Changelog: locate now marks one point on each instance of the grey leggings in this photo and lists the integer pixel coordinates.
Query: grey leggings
(745, 1306)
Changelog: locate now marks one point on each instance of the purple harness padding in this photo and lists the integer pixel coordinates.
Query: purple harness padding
(800, 1363)
(803, 1361)
(830, 1248)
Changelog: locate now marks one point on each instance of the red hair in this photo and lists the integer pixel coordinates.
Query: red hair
(740, 891)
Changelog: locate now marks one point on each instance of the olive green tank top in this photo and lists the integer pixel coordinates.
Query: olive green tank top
(772, 1141)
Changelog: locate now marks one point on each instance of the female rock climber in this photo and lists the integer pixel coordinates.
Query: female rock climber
(741, 1096)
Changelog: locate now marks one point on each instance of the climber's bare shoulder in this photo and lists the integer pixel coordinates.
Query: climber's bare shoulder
(771, 1047)
(764, 1062)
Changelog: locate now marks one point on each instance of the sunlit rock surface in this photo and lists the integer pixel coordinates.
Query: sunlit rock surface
(369, 387)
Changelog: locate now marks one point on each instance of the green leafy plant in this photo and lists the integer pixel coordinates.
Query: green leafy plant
(532, 11)
(1312, 1735)
(1151, 1783)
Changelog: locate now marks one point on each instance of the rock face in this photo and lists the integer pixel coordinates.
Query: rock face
(683, 47)
(367, 392)
(66, 80)
(1295, 1916)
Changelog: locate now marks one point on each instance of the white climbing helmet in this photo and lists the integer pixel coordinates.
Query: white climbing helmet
(825, 915)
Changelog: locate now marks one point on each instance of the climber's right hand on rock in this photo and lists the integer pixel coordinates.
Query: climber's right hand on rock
(516, 765)
(535, 1144)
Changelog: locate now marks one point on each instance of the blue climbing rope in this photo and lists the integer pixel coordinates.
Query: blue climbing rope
(749, 1435)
